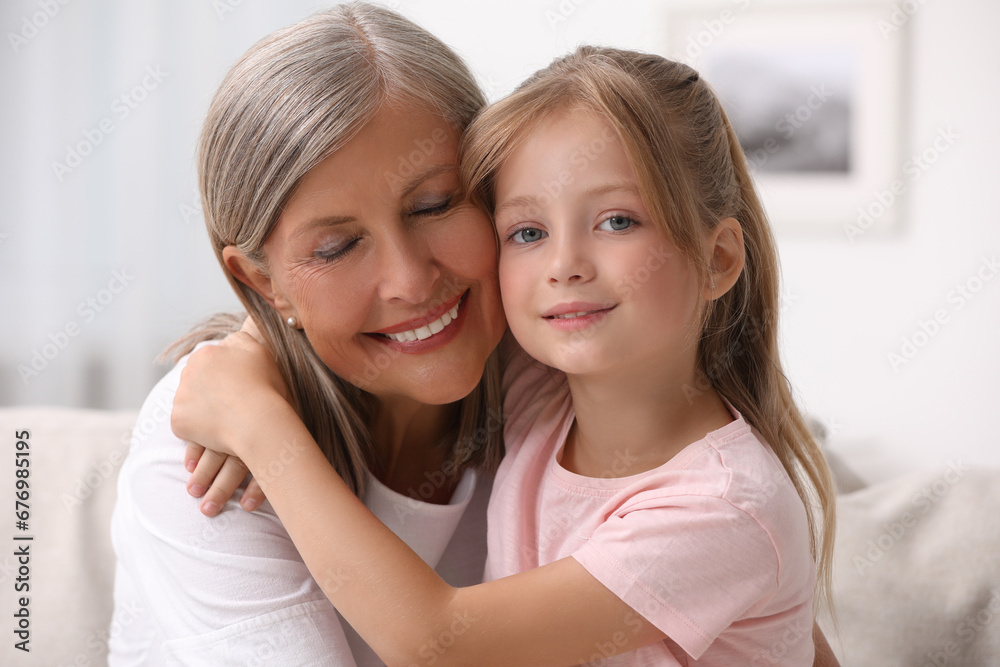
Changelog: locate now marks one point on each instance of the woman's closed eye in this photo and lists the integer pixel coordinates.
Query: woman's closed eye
(337, 250)
(424, 210)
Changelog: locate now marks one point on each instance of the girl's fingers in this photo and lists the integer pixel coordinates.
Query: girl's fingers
(192, 454)
(205, 471)
(253, 496)
(230, 477)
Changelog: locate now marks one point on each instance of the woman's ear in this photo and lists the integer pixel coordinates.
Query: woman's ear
(249, 274)
(725, 256)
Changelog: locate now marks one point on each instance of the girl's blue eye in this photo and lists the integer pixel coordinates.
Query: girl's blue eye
(528, 235)
(337, 252)
(616, 223)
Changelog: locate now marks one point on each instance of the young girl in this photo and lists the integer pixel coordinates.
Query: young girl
(661, 500)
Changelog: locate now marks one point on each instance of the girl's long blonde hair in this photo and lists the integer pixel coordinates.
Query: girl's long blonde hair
(692, 173)
(294, 98)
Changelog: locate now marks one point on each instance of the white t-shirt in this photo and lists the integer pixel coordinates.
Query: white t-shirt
(233, 590)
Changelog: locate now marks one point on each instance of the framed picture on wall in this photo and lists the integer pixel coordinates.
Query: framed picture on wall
(815, 93)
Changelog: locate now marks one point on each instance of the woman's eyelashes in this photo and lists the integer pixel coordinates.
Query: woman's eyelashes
(431, 208)
(337, 251)
(426, 209)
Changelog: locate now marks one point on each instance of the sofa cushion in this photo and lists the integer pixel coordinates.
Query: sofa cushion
(74, 460)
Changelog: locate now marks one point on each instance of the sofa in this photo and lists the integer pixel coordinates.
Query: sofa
(916, 576)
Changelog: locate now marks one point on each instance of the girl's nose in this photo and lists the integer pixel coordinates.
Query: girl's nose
(570, 262)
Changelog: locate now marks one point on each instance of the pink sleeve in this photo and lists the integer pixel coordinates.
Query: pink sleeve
(690, 565)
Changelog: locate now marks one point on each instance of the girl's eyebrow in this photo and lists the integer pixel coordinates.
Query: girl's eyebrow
(627, 187)
(525, 201)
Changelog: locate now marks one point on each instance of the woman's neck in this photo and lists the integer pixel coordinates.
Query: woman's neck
(407, 438)
(631, 422)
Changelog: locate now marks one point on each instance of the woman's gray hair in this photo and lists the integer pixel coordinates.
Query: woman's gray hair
(294, 98)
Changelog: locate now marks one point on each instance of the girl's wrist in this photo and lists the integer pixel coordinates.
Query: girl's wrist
(269, 436)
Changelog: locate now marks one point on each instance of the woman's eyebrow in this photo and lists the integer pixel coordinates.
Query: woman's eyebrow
(413, 183)
(322, 221)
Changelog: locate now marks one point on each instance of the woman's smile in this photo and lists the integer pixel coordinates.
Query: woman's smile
(390, 271)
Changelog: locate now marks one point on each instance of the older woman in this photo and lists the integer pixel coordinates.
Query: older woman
(329, 180)
(328, 171)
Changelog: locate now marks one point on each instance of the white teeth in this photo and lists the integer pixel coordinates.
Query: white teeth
(429, 329)
(567, 316)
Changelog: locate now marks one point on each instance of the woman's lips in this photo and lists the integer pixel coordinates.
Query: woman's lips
(430, 334)
(418, 322)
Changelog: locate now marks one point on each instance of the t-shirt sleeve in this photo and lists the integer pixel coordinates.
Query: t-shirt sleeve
(225, 590)
(691, 566)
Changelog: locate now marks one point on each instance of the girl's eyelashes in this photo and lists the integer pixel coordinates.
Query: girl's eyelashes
(525, 235)
(330, 254)
(617, 223)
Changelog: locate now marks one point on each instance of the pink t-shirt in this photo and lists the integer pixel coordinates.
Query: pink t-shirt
(712, 547)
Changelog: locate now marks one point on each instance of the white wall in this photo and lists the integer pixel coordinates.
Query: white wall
(129, 206)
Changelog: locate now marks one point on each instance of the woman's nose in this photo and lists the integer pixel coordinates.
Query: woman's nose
(408, 268)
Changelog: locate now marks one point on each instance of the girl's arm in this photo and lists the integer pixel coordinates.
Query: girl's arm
(558, 614)
(824, 653)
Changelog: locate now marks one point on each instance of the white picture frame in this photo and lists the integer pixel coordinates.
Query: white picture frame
(815, 92)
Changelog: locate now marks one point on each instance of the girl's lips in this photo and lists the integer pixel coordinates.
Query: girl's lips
(577, 315)
(571, 308)
(435, 340)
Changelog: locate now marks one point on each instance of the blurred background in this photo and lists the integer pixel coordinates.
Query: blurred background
(890, 303)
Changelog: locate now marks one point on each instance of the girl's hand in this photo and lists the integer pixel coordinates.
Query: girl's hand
(221, 474)
(224, 391)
